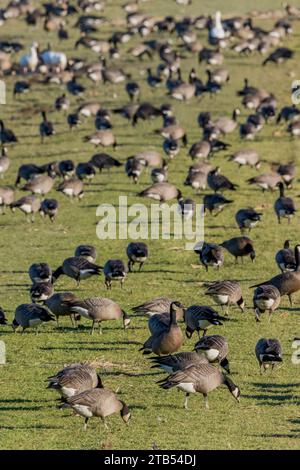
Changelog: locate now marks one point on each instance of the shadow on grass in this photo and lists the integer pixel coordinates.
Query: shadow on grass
(274, 385)
(38, 426)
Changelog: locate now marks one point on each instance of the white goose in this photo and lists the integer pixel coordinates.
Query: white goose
(52, 58)
(216, 32)
(31, 60)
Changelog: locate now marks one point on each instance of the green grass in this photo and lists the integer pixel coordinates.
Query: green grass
(267, 417)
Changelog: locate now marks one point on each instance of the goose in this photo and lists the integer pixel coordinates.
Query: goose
(7, 136)
(166, 336)
(104, 161)
(211, 57)
(247, 218)
(294, 128)
(137, 252)
(218, 182)
(89, 109)
(157, 305)
(162, 192)
(54, 59)
(246, 157)
(128, 111)
(285, 258)
(287, 171)
(265, 297)
(134, 168)
(97, 309)
(211, 86)
(201, 318)
(197, 180)
(279, 55)
(40, 184)
(288, 282)
(103, 137)
(145, 111)
(284, 206)
(30, 315)
(174, 362)
(6, 198)
(66, 169)
(215, 202)
(74, 379)
(102, 121)
(183, 91)
(174, 132)
(202, 378)
(266, 181)
(220, 76)
(3, 320)
(225, 124)
(40, 272)
(28, 171)
(41, 291)
(150, 158)
(78, 268)
(20, 87)
(288, 113)
(159, 175)
(114, 270)
(72, 188)
(216, 32)
(200, 149)
(113, 75)
(239, 247)
(73, 120)
(62, 103)
(248, 131)
(210, 254)
(153, 80)
(97, 402)
(49, 207)
(46, 127)
(186, 208)
(268, 352)
(133, 90)
(215, 349)
(85, 170)
(226, 293)
(28, 205)
(62, 33)
(171, 148)
(56, 305)
(29, 62)
(88, 252)
(4, 162)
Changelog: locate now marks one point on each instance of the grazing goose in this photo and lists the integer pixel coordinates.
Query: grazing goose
(288, 282)
(287, 171)
(162, 192)
(28, 205)
(6, 198)
(220, 76)
(89, 109)
(99, 403)
(157, 305)
(200, 318)
(40, 272)
(202, 378)
(85, 171)
(97, 309)
(284, 206)
(285, 258)
(265, 297)
(160, 175)
(74, 379)
(40, 184)
(77, 268)
(166, 336)
(114, 270)
(226, 125)
(4, 162)
(171, 148)
(104, 161)
(103, 137)
(210, 254)
(226, 293)
(72, 188)
(197, 180)
(56, 304)
(6, 135)
(20, 87)
(288, 113)
(150, 158)
(268, 352)
(103, 120)
(30, 315)
(134, 168)
(75, 88)
(279, 55)
(41, 291)
(3, 320)
(186, 208)
(294, 128)
(239, 247)
(49, 207)
(145, 111)
(46, 127)
(200, 149)
(137, 252)
(246, 157)
(247, 219)
(218, 182)
(88, 252)
(73, 120)
(133, 90)
(215, 349)
(266, 181)
(174, 362)
(62, 103)
(215, 202)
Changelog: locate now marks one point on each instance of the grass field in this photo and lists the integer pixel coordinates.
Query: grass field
(268, 415)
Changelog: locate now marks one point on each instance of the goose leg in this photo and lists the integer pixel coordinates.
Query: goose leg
(85, 423)
(141, 265)
(270, 314)
(57, 322)
(186, 401)
(99, 328)
(290, 299)
(93, 327)
(206, 401)
(130, 266)
(105, 424)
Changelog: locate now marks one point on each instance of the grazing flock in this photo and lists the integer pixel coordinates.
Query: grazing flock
(168, 40)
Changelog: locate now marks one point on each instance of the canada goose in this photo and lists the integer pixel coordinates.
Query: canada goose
(210, 56)
(66, 169)
(145, 111)
(40, 272)
(265, 297)
(150, 158)
(226, 293)
(279, 55)
(49, 207)
(268, 352)
(210, 254)
(294, 128)
(77, 268)
(247, 218)
(200, 318)
(184, 91)
(3, 320)
(134, 168)
(202, 378)
(72, 188)
(89, 109)
(166, 336)
(113, 75)
(4, 162)
(97, 309)
(114, 270)
(88, 252)
(73, 120)
(28, 171)
(218, 182)
(159, 175)
(137, 252)
(103, 120)
(220, 76)
(287, 171)
(171, 147)
(133, 90)
(153, 80)
(97, 402)
(225, 124)
(174, 132)
(41, 291)
(128, 111)
(56, 304)
(186, 208)
(215, 349)
(103, 137)
(104, 161)
(197, 180)
(288, 282)
(6, 135)
(6, 198)
(30, 315)
(248, 131)
(85, 170)
(20, 87)
(284, 206)
(28, 205)
(288, 113)
(285, 258)
(265, 181)
(74, 379)
(246, 157)
(46, 127)
(200, 149)
(157, 305)
(40, 184)
(215, 202)
(174, 362)
(162, 192)
(239, 247)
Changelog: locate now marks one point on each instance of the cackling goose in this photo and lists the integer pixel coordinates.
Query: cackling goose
(49, 207)
(200, 318)
(137, 252)
(210, 254)
(247, 219)
(74, 379)
(226, 293)
(114, 270)
(30, 315)
(215, 349)
(285, 258)
(268, 352)
(215, 202)
(265, 297)
(239, 247)
(77, 268)
(284, 206)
